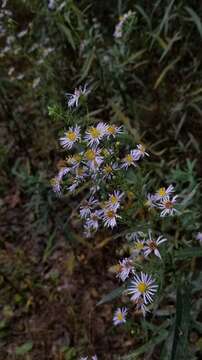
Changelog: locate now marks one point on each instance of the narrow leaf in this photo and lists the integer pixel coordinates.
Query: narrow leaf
(112, 295)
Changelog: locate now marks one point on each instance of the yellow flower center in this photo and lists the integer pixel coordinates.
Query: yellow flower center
(129, 158)
(142, 287)
(94, 132)
(54, 181)
(77, 157)
(161, 191)
(90, 155)
(120, 316)
(113, 199)
(71, 135)
(112, 129)
(110, 214)
(139, 246)
(108, 169)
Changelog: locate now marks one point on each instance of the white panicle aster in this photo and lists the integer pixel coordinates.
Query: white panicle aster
(95, 133)
(129, 160)
(93, 221)
(151, 245)
(199, 237)
(139, 153)
(119, 27)
(120, 316)
(113, 130)
(94, 159)
(85, 209)
(150, 202)
(142, 287)
(73, 99)
(125, 268)
(55, 182)
(167, 206)
(137, 247)
(114, 200)
(70, 137)
(108, 171)
(162, 193)
(109, 217)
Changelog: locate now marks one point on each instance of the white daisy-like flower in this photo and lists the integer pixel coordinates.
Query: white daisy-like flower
(81, 172)
(109, 217)
(74, 160)
(85, 209)
(151, 245)
(120, 316)
(73, 99)
(108, 171)
(113, 130)
(95, 133)
(125, 268)
(114, 200)
(70, 137)
(55, 182)
(142, 287)
(140, 306)
(137, 247)
(167, 206)
(119, 27)
(150, 202)
(93, 220)
(199, 237)
(139, 153)
(129, 160)
(94, 159)
(162, 193)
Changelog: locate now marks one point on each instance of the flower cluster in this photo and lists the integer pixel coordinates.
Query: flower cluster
(119, 27)
(95, 162)
(142, 287)
(163, 200)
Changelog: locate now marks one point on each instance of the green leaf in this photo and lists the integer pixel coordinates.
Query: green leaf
(195, 18)
(188, 253)
(68, 34)
(87, 65)
(23, 349)
(148, 346)
(182, 323)
(112, 295)
(165, 71)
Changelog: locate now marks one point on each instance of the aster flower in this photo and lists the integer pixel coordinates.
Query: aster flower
(70, 137)
(114, 200)
(94, 159)
(167, 206)
(108, 171)
(73, 187)
(113, 130)
(137, 247)
(142, 287)
(140, 306)
(162, 193)
(55, 182)
(139, 153)
(74, 160)
(109, 217)
(120, 316)
(85, 209)
(129, 160)
(119, 27)
(125, 268)
(93, 220)
(150, 202)
(73, 99)
(95, 134)
(199, 237)
(151, 245)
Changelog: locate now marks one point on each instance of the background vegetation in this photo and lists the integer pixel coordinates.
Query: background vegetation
(151, 82)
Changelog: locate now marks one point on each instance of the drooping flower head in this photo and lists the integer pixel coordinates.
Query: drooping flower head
(120, 316)
(125, 268)
(73, 99)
